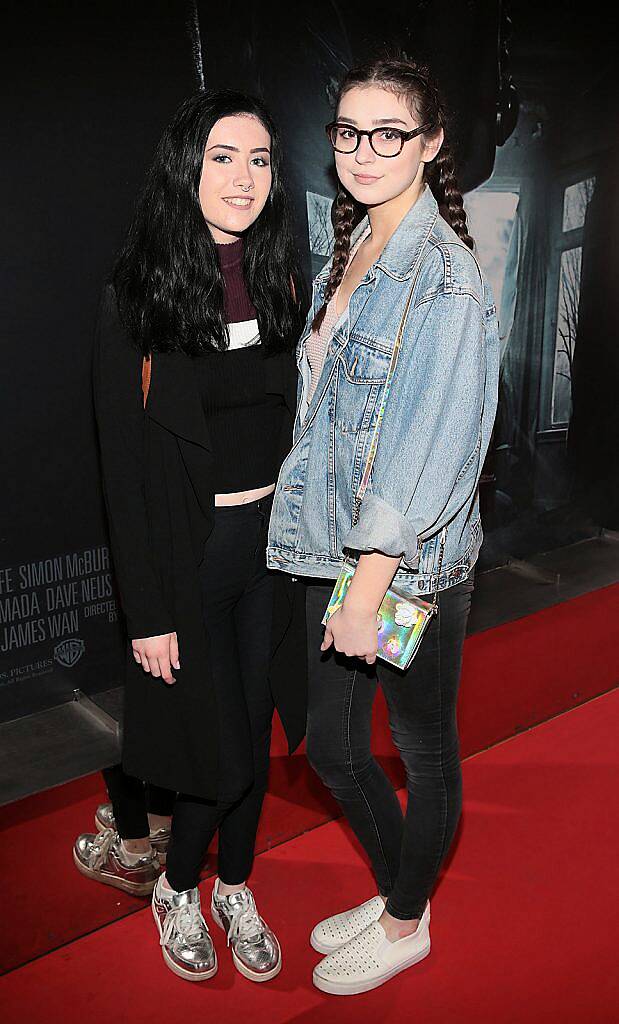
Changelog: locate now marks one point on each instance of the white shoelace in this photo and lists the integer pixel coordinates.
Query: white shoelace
(186, 920)
(246, 922)
(101, 848)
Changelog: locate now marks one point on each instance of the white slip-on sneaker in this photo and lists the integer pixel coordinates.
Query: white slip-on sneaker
(369, 960)
(334, 931)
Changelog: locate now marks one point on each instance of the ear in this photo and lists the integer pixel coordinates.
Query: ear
(432, 146)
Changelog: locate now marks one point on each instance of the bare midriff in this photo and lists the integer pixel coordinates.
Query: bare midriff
(244, 497)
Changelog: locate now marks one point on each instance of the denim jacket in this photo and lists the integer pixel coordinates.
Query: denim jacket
(437, 422)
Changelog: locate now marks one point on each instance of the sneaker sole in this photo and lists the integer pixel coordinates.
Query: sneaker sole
(180, 971)
(241, 967)
(334, 988)
(132, 888)
(100, 827)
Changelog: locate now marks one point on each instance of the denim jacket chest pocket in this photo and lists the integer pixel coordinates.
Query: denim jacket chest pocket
(362, 373)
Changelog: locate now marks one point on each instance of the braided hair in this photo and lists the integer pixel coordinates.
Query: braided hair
(414, 82)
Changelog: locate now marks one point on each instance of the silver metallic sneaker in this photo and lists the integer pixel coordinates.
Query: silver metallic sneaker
(104, 817)
(159, 838)
(256, 952)
(186, 944)
(99, 857)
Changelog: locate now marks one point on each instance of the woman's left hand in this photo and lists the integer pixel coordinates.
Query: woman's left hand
(352, 632)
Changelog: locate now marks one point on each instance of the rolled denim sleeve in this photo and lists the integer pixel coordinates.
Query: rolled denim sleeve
(435, 430)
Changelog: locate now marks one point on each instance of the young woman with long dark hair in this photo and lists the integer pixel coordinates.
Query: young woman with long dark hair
(418, 523)
(195, 388)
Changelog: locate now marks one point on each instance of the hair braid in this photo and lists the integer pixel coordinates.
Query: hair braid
(444, 184)
(343, 222)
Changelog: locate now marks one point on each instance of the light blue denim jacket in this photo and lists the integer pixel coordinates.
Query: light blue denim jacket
(437, 423)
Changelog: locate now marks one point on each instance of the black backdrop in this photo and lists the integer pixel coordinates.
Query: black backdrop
(88, 88)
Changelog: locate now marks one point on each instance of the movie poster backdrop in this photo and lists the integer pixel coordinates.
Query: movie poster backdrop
(91, 88)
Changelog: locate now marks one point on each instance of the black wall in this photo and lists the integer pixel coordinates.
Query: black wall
(87, 90)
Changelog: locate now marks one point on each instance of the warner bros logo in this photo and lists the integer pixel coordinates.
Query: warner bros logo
(69, 652)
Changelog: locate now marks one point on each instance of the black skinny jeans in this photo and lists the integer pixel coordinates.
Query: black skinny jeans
(407, 851)
(132, 800)
(237, 592)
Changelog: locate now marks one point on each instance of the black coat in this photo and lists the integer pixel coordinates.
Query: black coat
(157, 481)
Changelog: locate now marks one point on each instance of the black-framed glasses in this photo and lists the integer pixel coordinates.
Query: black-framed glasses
(385, 141)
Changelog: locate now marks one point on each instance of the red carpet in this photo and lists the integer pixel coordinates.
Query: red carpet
(513, 676)
(521, 673)
(524, 926)
(51, 904)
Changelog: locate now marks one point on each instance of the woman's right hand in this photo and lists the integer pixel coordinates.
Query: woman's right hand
(158, 655)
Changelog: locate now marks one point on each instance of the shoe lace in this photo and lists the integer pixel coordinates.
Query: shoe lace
(186, 921)
(246, 922)
(101, 846)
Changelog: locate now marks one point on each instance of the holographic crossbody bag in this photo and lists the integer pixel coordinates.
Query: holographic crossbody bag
(402, 619)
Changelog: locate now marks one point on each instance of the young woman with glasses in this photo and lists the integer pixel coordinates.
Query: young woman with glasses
(203, 305)
(418, 524)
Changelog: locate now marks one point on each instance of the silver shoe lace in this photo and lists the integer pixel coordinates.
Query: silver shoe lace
(245, 922)
(185, 920)
(100, 848)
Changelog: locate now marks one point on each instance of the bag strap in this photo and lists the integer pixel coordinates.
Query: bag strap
(146, 372)
(365, 479)
(440, 566)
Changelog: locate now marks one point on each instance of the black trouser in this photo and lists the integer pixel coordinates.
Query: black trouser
(237, 594)
(132, 801)
(406, 852)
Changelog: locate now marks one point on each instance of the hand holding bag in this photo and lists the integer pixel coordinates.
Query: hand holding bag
(402, 619)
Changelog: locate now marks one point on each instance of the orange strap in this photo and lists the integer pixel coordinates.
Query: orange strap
(146, 368)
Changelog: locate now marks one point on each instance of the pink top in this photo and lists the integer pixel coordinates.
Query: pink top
(318, 341)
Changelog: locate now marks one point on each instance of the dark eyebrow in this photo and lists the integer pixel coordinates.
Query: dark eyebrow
(233, 149)
(379, 120)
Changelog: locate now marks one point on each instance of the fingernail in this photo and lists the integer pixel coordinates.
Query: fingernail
(176, 664)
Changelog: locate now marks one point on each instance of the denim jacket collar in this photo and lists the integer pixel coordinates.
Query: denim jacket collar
(401, 253)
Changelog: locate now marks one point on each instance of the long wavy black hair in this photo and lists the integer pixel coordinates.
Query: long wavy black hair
(168, 282)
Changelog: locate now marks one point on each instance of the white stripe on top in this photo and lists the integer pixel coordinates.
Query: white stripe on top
(244, 334)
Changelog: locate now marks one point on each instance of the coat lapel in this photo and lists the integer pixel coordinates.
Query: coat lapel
(355, 308)
(174, 401)
(280, 373)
